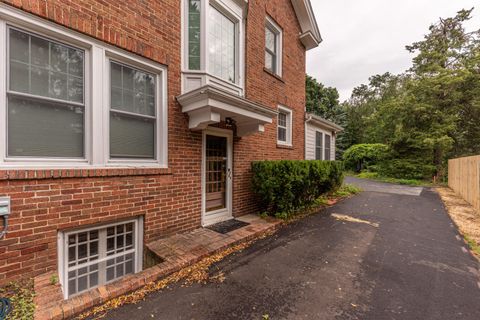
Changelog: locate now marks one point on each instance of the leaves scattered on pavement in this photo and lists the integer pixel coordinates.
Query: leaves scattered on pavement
(197, 273)
(341, 217)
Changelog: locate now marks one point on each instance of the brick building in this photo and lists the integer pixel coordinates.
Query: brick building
(123, 122)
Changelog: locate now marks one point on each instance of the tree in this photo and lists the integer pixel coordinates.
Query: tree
(322, 101)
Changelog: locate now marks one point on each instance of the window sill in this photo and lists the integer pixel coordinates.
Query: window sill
(276, 76)
(67, 173)
(284, 146)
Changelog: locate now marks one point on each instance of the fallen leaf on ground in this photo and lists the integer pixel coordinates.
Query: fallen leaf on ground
(342, 217)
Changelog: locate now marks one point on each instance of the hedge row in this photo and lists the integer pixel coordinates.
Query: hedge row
(284, 186)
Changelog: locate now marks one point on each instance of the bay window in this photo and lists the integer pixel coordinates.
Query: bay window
(194, 22)
(213, 36)
(221, 45)
(68, 100)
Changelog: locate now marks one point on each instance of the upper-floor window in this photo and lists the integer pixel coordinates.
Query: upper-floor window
(45, 98)
(284, 126)
(221, 45)
(213, 37)
(273, 47)
(194, 23)
(55, 112)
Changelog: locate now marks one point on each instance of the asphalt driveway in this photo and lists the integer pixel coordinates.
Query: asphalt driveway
(399, 258)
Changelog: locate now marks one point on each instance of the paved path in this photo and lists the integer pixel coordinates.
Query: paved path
(412, 266)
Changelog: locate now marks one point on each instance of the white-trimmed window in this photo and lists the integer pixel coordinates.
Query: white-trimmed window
(213, 44)
(318, 145)
(97, 256)
(56, 112)
(45, 97)
(133, 113)
(328, 144)
(284, 126)
(273, 47)
(222, 38)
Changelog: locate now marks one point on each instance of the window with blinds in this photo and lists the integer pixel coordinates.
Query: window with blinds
(45, 98)
(132, 113)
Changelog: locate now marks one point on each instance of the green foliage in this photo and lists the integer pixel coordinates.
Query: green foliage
(53, 279)
(285, 186)
(360, 156)
(346, 190)
(320, 100)
(427, 114)
(21, 295)
(376, 176)
(474, 246)
(406, 169)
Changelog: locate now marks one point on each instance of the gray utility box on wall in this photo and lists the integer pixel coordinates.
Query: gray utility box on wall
(4, 206)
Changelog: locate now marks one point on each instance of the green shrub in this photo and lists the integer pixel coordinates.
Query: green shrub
(406, 169)
(285, 186)
(363, 156)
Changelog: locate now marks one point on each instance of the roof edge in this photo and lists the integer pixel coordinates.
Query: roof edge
(307, 20)
(310, 117)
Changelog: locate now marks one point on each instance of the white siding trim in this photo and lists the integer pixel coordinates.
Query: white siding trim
(310, 130)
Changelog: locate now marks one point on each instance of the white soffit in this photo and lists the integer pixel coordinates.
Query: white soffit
(310, 36)
(208, 105)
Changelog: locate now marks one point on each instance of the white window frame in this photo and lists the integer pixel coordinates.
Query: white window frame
(192, 79)
(325, 147)
(62, 243)
(278, 31)
(322, 149)
(160, 116)
(96, 75)
(289, 113)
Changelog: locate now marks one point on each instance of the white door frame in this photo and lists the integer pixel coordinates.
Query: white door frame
(227, 213)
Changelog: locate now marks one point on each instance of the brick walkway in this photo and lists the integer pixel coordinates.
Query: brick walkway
(178, 252)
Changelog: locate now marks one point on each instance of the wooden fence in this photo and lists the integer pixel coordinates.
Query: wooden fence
(464, 179)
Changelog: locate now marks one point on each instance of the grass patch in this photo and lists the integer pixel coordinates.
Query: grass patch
(474, 246)
(325, 200)
(408, 182)
(21, 297)
(346, 190)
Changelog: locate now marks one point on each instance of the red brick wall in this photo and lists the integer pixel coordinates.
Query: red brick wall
(45, 202)
(271, 91)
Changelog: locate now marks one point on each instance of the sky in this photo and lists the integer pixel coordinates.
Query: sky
(362, 38)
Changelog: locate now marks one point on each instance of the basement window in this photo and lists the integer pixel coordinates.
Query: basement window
(97, 256)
